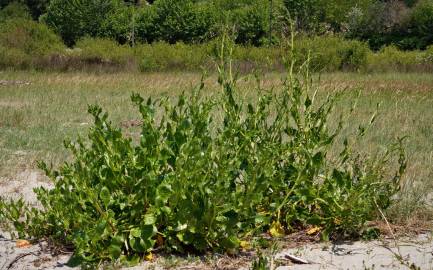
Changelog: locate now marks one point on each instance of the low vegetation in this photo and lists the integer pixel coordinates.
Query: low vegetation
(30, 45)
(208, 173)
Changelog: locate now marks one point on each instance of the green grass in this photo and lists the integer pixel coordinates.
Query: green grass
(36, 118)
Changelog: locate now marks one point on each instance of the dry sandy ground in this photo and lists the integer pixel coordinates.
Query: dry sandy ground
(384, 254)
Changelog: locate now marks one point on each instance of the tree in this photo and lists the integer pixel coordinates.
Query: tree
(74, 19)
(36, 7)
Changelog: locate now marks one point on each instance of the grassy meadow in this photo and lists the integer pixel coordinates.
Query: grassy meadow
(39, 110)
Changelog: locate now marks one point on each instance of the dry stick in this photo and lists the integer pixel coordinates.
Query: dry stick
(398, 255)
(19, 257)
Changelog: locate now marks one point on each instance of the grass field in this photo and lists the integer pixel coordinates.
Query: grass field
(39, 110)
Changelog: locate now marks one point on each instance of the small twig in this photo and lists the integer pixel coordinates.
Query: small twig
(397, 254)
(19, 257)
(295, 259)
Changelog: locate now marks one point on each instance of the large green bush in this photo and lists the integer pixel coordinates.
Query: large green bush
(251, 23)
(306, 13)
(210, 172)
(23, 41)
(332, 53)
(121, 25)
(322, 15)
(177, 20)
(421, 24)
(78, 18)
(31, 37)
(14, 11)
(35, 7)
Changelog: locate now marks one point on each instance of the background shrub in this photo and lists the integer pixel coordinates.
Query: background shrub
(36, 7)
(24, 42)
(420, 24)
(14, 10)
(391, 58)
(121, 25)
(181, 20)
(103, 51)
(162, 56)
(32, 38)
(251, 23)
(332, 53)
(78, 18)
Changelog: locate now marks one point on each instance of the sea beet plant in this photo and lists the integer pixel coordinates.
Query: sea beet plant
(210, 173)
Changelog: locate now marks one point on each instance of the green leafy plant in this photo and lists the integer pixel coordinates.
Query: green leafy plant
(210, 172)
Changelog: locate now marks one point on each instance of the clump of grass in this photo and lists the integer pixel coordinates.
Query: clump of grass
(196, 181)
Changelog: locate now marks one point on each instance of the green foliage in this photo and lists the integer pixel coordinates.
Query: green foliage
(23, 42)
(121, 24)
(251, 23)
(35, 7)
(306, 13)
(208, 173)
(391, 58)
(29, 37)
(332, 53)
(103, 50)
(318, 15)
(261, 263)
(78, 18)
(382, 23)
(14, 11)
(162, 56)
(182, 20)
(421, 23)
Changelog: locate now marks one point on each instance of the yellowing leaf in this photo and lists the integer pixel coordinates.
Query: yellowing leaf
(23, 244)
(159, 240)
(245, 245)
(313, 230)
(276, 230)
(149, 256)
(337, 221)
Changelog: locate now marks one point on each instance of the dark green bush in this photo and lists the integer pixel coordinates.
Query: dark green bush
(177, 20)
(195, 181)
(251, 23)
(78, 18)
(382, 23)
(146, 28)
(35, 7)
(318, 16)
(14, 10)
(121, 25)
(421, 24)
(307, 14)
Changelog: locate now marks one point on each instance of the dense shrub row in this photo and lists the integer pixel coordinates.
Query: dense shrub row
(166, 20)
(405, 24)
(25, 44)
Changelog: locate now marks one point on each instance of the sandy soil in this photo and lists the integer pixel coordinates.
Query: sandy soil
(383, 254)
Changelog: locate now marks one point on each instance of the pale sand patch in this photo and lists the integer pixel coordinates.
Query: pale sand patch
(37, 256)
(383, 254)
